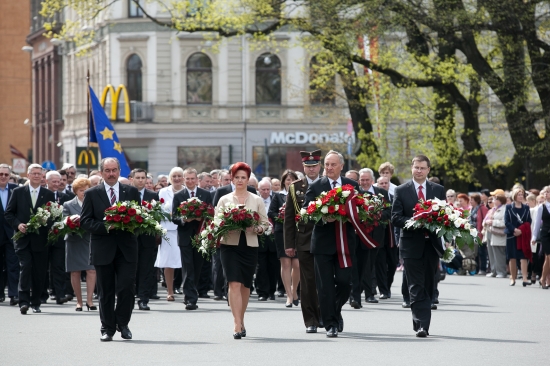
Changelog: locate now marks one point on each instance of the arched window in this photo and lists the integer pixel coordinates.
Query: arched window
(133, 73)
(199, 79)
(268, 79)
(322, 85)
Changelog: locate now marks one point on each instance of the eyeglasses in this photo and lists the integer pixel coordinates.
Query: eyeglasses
(4, 174)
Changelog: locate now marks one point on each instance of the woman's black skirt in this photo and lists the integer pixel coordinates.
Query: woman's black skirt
(239, 262)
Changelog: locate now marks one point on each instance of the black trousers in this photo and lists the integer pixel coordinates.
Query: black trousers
(392, 258)
(191, 264)
(10, 276)
(33, 271)
(218, 277)
(266, 274)
(58, 274)
(381, 271)
(116, 279)
(308, 290)
(205, 278)
(145, 277)
(365, 272)
(333, 287)
(420, 273)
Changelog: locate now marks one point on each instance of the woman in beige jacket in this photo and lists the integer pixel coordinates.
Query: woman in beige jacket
(239, 249)
(497, 244)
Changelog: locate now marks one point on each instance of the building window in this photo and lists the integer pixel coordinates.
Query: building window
(202, 158)
(268, 79)
(322, 84)
(277, 159)
(137, 157)
(133, 10)
(133, 72)
(199, 79)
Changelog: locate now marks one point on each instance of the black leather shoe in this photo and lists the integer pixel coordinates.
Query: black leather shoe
(271, 297)
(434, 307)
(61, 301)
(69, 297)
(371, 300)
(43, 301)
(237, 335)
(106, 338)
(311, 329)
(243, 332)
(218, 298)
(124, 331)
(421, 333)
(436, 301)
(3, 298)
(354, 304)
(406, 305)
(383, 297)
(154, 297)
(36, 309)
(262, 298)
(143, 306)
(332, 332)
(295, 302)
(191, 307)
(14, 301)
(24, 309)
(340, 324)
(204, 296)
(96, 296)
(178, 291)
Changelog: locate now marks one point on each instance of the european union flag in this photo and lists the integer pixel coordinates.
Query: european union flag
(103, 133)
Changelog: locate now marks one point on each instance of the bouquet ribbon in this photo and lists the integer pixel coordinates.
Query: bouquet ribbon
(342, 248)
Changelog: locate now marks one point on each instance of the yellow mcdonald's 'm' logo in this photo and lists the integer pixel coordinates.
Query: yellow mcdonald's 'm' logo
(83, 158)
(115, 95)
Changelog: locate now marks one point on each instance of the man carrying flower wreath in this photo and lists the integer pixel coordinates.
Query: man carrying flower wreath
(113, 253)
(31, 248)
(419, 248)
(332, 281)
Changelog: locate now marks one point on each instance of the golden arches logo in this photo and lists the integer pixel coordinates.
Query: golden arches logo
(115, 95)
(83, 158)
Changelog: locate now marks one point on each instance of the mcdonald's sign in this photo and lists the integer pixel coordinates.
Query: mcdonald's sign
(115, 95)
(87, 157)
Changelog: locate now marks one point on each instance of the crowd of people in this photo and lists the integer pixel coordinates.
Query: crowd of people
(297, 262)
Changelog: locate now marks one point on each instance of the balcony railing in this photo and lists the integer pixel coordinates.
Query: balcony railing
(139, 111)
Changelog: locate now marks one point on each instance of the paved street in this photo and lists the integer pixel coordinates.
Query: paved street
(479, 321)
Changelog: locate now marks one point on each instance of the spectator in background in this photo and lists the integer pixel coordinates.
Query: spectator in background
(485, 195)
(149, 183)
(71, 175)
(215, 174)
(205, 180)
(477, 215)
(162, 180)
(225, 178)
(451, 196)
(435, 180)
(275, 185)
(531, 202)
(497, 242)
(95, 172)
(253, 182)
(353, 174)
(515, 216)
(386, 170)
(541, 233)
(463, 201)
(158, 187)
(94, 180)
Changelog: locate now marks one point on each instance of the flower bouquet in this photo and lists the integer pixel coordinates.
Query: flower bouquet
(70, 225)
(132, 217)
(370, 208)
(280, 218)
(154, 209)
(445, 220)
(329, 205)
(194, 208)
(229, 218)
(49, 211)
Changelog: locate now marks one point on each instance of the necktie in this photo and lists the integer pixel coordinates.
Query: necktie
(33, 197)
(334, 184)
(68, 188)
(192, 193)
(113, 196)
(141, 196)
(421, 194)
(56, 197)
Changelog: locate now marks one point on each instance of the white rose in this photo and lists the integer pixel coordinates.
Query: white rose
(336, 207)
(448, 210)
(436, 208)
(345, 193)
(467, 226)
(318, 203)
(138, 212)
(324, 209)
(457, 223)
(473, 232)
(303, 211)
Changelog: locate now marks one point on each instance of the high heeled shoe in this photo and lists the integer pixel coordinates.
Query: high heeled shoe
(237, 335)
(288, 305)
(243, 332)
(91, 307)
(525, 284)
(513, 283)
(295, 302)
(78, 308)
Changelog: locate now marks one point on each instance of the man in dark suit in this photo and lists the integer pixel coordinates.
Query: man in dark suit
(7, 251)
(269, 266)
(63, 184)
(147, 246)
(333, 282)
(217, 272)
(364, 274)
(420, 249)
(31, 249)
(58, 273)
(113, 253)
(191, 258)
(298, 239)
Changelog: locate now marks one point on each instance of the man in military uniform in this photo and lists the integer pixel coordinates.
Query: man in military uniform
(298, 239)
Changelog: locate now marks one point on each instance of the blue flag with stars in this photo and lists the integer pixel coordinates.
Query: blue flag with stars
(103, 133)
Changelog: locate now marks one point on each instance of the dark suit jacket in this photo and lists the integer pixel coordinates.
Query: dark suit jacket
(323, 238)
(277, 201)
(70, 194)
(297, 236)
(187, 230)
(144, 239)
(19, 211)
(412, 241)
(103, 244)
(222, 191)
(379, 232)
(6, 231)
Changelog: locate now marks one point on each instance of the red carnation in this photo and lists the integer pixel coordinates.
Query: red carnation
(150, 206)
(161, 200)
(48, 204)
(434, 213)
(256, 216)
(109, 218)
(439, 219)
(139, 219)
(331, 209)
(311, 209)
(131, 211)
(210, 237)
(55, 231)
(191, 208)
(198, 213)
(347, 187)
(248, 216)
(430, 220)
(241, 216)
(117, 218)
(122, 209)
(126, 219)
(297, 218)
(342, 210)
(446, 217)
(447, 223)
(144, 203)
(71, 225)
(227, 215)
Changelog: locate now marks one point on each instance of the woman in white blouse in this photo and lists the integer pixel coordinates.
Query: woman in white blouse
(497, 243)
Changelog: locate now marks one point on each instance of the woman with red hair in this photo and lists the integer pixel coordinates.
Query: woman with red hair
(462, 201)
(239, 249)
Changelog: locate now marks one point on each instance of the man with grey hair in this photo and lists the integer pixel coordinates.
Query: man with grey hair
(31, 248)
(162, 180)
(205, 180)
(94, 180)
(253, 182)
(7, 251)
(215, 175)
(71, 175)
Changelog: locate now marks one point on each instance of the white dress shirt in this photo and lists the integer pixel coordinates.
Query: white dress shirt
(116, 188)
(416, 185)
(192, 190)
(310, 182)
(338, 182)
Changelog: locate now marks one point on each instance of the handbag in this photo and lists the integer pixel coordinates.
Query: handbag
(498, 231)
